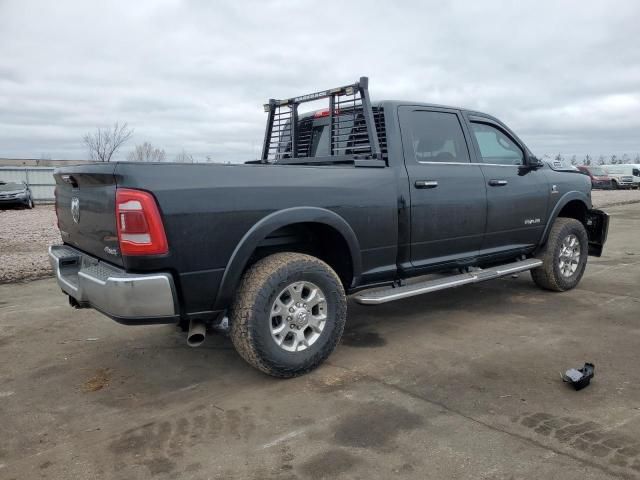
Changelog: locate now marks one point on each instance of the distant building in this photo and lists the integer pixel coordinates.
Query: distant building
(36, 162)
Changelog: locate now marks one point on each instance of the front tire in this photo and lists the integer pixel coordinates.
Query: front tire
(564, 257)
(288, 314)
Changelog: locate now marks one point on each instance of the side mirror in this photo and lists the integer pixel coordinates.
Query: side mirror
(534, 162)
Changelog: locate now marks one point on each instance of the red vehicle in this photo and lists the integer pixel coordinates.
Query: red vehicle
(599, 178)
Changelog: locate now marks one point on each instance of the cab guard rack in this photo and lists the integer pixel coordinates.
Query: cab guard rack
(352, 128)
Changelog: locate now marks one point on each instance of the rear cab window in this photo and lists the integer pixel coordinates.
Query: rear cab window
(350, 134)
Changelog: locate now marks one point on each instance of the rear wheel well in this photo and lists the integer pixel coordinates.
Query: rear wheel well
(317, 239)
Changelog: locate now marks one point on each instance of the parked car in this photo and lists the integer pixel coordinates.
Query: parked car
(354, 199)
(12, 193)
(599, 178)
(623, 176)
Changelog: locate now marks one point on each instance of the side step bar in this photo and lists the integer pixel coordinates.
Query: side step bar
(376, 297)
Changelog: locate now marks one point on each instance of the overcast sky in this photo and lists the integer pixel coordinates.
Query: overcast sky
(193, 75)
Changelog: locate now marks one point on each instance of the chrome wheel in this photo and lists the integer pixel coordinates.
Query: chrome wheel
(298, 316)
(569, 257)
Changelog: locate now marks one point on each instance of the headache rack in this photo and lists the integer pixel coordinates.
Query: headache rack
(354, 128)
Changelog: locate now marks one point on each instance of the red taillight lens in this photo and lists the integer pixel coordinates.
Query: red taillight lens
(140, 229)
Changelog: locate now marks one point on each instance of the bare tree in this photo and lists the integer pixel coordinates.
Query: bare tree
(44, 158)
(602, 160)
(587, 160)
(637, 158)
(625, 158)
(574, 160)
(146, 153)
(105, 142)
(614, 159)
(184, 157)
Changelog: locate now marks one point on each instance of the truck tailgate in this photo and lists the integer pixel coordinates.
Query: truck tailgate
(85, 206)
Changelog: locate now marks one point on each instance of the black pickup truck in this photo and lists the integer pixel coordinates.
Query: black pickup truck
(354, 199)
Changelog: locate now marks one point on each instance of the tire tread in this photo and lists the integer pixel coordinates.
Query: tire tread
(545, 276)
(255, 289)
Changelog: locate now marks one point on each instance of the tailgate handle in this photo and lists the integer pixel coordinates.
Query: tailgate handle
(70, 180)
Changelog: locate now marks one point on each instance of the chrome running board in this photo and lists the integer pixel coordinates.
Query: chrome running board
(376, 297)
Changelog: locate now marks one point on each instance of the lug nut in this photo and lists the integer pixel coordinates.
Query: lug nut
(291, 309)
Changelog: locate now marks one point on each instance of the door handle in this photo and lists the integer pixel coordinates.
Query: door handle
(497, 183)
(426, 184)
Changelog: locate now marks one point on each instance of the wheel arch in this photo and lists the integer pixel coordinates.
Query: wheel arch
(257, 237)
(571, 205)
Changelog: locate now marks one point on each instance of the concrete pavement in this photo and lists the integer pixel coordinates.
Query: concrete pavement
(462, 384)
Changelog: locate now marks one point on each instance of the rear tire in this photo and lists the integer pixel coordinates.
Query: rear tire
(288, 314)
(614, 185)
(564, 256)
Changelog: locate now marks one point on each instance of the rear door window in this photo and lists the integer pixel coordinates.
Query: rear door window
(437, 137)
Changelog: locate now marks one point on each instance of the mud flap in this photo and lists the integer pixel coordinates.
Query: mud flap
(597, 230)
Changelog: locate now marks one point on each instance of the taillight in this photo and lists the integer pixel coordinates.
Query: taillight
(140, 229)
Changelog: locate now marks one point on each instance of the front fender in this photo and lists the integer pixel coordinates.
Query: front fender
(560, 204)
(272, 222)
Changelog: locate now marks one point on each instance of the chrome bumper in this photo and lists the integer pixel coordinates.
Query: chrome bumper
(125, 297)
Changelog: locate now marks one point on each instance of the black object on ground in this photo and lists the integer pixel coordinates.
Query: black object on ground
(580, 377)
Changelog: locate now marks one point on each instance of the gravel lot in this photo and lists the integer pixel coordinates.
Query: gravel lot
(609, 198)
(26, 234)
(24, 238)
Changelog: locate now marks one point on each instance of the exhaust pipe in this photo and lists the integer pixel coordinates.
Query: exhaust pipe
(197, 333)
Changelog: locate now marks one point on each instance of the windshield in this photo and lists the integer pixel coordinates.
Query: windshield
(597, 171)
(8, 187)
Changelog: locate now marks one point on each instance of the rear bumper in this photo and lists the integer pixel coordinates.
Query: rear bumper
(132, 299)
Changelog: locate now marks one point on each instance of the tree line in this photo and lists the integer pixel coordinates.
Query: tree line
(601, 160)
(104, 143)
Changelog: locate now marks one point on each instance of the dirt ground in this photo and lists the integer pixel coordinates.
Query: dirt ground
(460, 384)
(25, 236)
